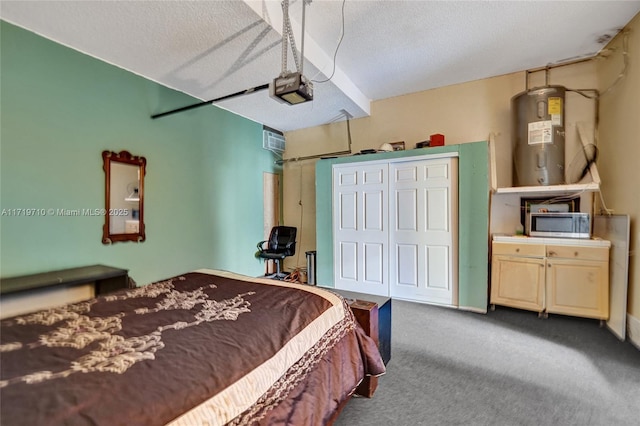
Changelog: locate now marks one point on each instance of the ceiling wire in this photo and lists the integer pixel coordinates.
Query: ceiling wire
(335, 53)
(625, 59)
(622, 74)
(348, 151)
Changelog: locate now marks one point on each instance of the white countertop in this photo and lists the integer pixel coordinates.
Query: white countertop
(523, 239)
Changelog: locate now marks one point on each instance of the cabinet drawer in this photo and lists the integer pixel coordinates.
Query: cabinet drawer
(514, 249)
(578, 252)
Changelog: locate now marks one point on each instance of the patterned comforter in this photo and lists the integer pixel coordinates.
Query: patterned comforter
(207, 347)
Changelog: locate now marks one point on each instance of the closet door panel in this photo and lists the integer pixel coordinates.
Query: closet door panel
(347, 219)
(421, 216)
(348, 261)
(406, 210)
(373, 261)
(360, 202)
(437, 270)
(395, 229)
(437, 208)
(374, 211)
(407, 261)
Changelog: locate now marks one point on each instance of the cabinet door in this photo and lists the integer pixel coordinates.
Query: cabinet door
(360, 228)
(518, 282)
(578, 287)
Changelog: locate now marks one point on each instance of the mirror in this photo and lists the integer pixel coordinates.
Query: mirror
(124, 197)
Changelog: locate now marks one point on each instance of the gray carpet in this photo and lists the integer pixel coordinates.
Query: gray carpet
(508, 367)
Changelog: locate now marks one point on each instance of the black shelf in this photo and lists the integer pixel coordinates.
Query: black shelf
(106, 279)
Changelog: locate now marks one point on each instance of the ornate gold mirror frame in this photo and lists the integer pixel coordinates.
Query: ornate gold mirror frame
(124, 197)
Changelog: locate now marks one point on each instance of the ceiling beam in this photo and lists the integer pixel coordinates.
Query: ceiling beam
(271, 13)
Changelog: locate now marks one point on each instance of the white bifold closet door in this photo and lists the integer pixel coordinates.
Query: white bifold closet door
(423, 230)
(395, 229)
(360, 217)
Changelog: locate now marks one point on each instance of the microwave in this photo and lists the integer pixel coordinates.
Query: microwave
(565, 225)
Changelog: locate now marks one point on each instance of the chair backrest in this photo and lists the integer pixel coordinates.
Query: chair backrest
(283, 240)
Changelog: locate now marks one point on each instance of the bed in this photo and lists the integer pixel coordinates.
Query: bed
(206, 347)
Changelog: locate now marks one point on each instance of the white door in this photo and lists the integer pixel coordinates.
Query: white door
(271, 207)
(423, 222)
(360, 228)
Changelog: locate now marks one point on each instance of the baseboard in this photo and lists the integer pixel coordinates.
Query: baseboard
(633, 330)
(472, 309)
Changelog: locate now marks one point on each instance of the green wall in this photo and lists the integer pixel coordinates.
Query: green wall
(59, 109)
(473, 221)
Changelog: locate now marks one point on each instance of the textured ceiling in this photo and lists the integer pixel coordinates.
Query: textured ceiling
(209, 49)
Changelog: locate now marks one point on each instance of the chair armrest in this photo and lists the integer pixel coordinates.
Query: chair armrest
(260, 245)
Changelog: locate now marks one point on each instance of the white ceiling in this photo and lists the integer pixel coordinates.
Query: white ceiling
(209, 49)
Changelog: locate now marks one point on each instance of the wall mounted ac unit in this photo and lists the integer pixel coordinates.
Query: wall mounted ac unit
(272, 140)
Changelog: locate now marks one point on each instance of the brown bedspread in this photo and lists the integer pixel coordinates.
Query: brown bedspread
(217, 346)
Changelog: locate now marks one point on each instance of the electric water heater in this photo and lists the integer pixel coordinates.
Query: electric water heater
(538, 136)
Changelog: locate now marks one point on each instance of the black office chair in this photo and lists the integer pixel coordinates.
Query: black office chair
(281, 244)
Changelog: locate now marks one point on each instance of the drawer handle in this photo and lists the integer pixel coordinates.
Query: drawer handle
(517, 250)
(552, 253)
(575, 253)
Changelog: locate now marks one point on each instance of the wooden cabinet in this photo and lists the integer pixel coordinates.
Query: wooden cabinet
(569, 277)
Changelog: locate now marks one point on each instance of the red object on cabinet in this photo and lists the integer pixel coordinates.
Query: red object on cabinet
(436, 140)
